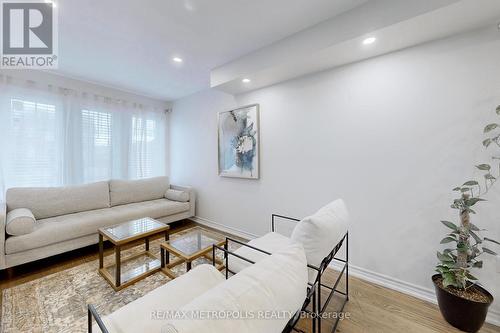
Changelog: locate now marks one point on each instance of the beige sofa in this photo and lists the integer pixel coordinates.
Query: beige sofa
(67, 218)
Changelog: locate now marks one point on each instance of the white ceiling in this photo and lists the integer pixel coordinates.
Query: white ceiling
(129, 44)
(396, 24)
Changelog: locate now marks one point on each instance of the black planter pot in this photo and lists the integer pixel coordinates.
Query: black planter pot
(464, 314)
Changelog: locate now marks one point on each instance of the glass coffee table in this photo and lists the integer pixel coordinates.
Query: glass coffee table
(127, 271)
(195, 243)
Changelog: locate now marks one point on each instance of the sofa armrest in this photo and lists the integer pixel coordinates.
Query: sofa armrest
(282, 217)
(192, 196)
(3, 217)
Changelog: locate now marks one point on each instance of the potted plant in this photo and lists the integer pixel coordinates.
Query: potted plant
(462, 301)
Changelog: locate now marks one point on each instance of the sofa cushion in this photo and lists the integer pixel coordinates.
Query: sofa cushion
(62, 228)
(47, 202)
(175, 195)
(319, 233)
(148, 313)
(274, 285)
(154, 209)
(270, 242)
(123, 192)
(20, 221)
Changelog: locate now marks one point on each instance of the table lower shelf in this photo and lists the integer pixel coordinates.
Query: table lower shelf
(131, 273)
(167, 270)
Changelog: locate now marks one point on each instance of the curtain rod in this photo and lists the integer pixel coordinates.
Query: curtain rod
(67, 91)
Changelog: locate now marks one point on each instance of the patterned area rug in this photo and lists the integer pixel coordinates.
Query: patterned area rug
(58, 302)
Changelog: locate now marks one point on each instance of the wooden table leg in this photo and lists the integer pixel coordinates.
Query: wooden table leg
(188, 266)
(101, 251)
(118, 265)
(147, 244)
(162, 255)
(167, 254)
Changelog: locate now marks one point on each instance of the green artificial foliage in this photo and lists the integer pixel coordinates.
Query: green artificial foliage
(465, 239)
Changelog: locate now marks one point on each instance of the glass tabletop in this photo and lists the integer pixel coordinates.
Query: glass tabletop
(133, 228)
(195, 240)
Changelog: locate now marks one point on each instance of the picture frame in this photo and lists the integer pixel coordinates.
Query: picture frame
(238, 132)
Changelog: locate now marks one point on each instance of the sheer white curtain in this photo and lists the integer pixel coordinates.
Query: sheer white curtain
(51, 136)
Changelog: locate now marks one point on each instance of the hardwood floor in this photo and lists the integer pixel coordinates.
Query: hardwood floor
(371, 308)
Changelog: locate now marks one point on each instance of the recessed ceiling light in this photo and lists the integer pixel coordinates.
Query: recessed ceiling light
(369, 40)
(177, 59)
(245, 80)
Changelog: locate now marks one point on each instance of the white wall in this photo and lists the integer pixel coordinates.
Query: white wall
(391, 135)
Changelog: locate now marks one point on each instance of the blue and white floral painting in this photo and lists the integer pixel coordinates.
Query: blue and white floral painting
(239, 142)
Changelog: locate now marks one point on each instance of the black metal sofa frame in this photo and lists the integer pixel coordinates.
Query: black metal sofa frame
(315, 289)
(313, 300)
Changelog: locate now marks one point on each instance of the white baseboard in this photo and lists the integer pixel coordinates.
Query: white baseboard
(230, 230)
(389, 282)
(411, 289)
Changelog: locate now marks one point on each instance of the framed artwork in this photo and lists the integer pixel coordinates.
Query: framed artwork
(238, 132)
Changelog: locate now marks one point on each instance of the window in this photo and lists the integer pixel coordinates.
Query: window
(48, 138)
(34, 154)
(142, 148)
(96, 145)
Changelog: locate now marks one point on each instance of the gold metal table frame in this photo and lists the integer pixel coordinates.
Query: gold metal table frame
(125, 233)
(196, 243)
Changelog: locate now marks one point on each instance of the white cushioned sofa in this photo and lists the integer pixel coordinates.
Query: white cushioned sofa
(261, 298)
(317, 233)
(322, 235)
(40, 222)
